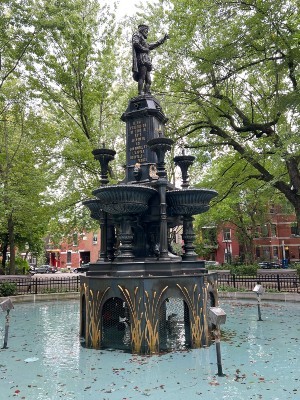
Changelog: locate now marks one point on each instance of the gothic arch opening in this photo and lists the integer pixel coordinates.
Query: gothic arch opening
(174, 325)
(115, 321)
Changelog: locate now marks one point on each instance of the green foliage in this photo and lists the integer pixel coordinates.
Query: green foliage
(57, 102)
(233, 70)
(273, 291)
(21, 266)
(297, 268)
(231, 289)
(177, 248)
(242, 270)
(8, 289)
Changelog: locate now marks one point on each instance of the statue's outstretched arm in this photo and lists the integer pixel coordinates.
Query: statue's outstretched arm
(159, 42)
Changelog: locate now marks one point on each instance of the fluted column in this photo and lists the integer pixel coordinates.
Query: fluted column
(160, 146)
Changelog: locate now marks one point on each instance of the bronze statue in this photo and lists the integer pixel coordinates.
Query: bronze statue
(141, 63)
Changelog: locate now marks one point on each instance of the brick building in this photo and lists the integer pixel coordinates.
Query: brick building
(81, 249)
(274, 241)
(278, 239)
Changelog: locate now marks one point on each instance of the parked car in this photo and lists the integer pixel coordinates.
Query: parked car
(52, 270)
(45, 269)
(82, 268)
(269, 265)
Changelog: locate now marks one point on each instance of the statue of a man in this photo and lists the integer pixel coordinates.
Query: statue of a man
(141, 63)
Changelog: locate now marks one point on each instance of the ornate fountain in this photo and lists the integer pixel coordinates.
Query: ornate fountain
(125, 294)
(139, 293)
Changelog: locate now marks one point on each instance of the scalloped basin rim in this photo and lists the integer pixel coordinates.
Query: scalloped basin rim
(124, 188)
(124, 199)
(190, 201)
(189, 191)
(103, 151)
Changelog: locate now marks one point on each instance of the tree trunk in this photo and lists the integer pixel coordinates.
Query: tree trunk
(4, 252)
(11, 241)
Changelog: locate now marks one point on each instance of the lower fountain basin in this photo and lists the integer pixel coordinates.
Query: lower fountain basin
(124, 199)
(189, 201)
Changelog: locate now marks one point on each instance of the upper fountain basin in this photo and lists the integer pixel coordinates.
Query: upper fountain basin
(124, 199)
(189, 201)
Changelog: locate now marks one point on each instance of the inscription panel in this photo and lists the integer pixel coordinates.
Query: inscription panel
(137, 141)
(139, 131)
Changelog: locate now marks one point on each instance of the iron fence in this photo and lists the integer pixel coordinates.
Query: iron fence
(271, 282)
(38, 285)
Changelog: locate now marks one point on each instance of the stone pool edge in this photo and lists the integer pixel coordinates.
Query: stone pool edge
(22, 298)
(290, 297)
(286, 297)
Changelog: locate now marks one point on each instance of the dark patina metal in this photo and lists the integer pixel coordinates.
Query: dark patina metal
(128, 289)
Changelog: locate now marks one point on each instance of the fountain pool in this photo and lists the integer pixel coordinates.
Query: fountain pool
(46, 361)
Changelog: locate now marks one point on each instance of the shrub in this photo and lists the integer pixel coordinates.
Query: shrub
(297, 268)
(231, 289)
(64, 270)
(8, 289)
(21, 266)
(250, 270)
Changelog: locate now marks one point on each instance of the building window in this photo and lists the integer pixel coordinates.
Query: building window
(266, 253)
(273, 230)
(275, 252)
(227, 254)
(264, 230)
(75, 239)
(294, 229)
(226, 234)
(257, 250)
(69, 257)
(95, 238)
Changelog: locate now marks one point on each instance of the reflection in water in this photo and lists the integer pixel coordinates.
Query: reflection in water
(173, 325)
(55, 334)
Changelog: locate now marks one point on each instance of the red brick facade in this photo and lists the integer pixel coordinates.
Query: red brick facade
(276, 240)
(82, 249)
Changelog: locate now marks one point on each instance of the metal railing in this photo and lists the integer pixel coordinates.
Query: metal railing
(272, 282)
(38, 285)
(276, 282)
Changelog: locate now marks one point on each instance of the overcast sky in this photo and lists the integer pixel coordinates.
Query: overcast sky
(127, 7)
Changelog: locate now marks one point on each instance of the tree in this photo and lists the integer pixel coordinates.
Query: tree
(77, 79)
(234, 70)
(242, 203)
(23, 172)
(57, 68)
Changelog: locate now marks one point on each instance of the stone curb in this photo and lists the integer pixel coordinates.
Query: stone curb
(22, 298)
(292, 297)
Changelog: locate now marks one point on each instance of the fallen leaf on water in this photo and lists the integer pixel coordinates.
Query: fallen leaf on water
(31, 359)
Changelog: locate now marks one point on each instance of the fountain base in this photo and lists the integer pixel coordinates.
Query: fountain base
(125, 306)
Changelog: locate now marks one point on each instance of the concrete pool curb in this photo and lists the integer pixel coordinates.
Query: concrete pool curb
(24, 298)
(286, 297)
(291, 297)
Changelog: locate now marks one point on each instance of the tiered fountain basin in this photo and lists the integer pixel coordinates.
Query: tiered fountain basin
(94, 205)
(124, 199)
(189, 201)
